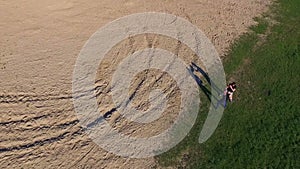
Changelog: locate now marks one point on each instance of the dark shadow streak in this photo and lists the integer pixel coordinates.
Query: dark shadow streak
(97, 121)
(205, 75)
(101, 118)
(207, 92)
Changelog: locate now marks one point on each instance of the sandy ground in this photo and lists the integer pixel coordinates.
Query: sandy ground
(39, 44)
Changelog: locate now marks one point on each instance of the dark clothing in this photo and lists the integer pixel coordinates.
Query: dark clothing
(229, 89)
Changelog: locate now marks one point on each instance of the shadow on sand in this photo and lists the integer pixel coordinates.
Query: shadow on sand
(194, 68)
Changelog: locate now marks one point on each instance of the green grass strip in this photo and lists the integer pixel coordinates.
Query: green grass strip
(261, 128)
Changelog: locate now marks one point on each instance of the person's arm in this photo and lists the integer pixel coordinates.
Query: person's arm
(233, 89)
(225, 91)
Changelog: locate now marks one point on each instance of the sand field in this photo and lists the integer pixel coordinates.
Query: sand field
(39, 45)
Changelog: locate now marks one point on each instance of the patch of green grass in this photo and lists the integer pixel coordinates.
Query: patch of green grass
(261, 128)
(241, 50)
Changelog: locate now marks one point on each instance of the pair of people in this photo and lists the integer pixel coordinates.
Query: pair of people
(228, 92)
(230, 89)
(227, 95)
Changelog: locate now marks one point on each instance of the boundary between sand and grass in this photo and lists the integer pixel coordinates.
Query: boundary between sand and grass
(260, 128)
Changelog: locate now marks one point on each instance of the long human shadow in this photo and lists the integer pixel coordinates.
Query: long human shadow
(192, 68)
(205, 75)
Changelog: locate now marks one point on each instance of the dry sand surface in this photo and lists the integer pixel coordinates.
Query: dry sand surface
(39, 44)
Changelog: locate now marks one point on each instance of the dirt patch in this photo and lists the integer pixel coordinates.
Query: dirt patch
(40, 41)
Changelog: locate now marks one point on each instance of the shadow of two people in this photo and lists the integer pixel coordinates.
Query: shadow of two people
(194, 68)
